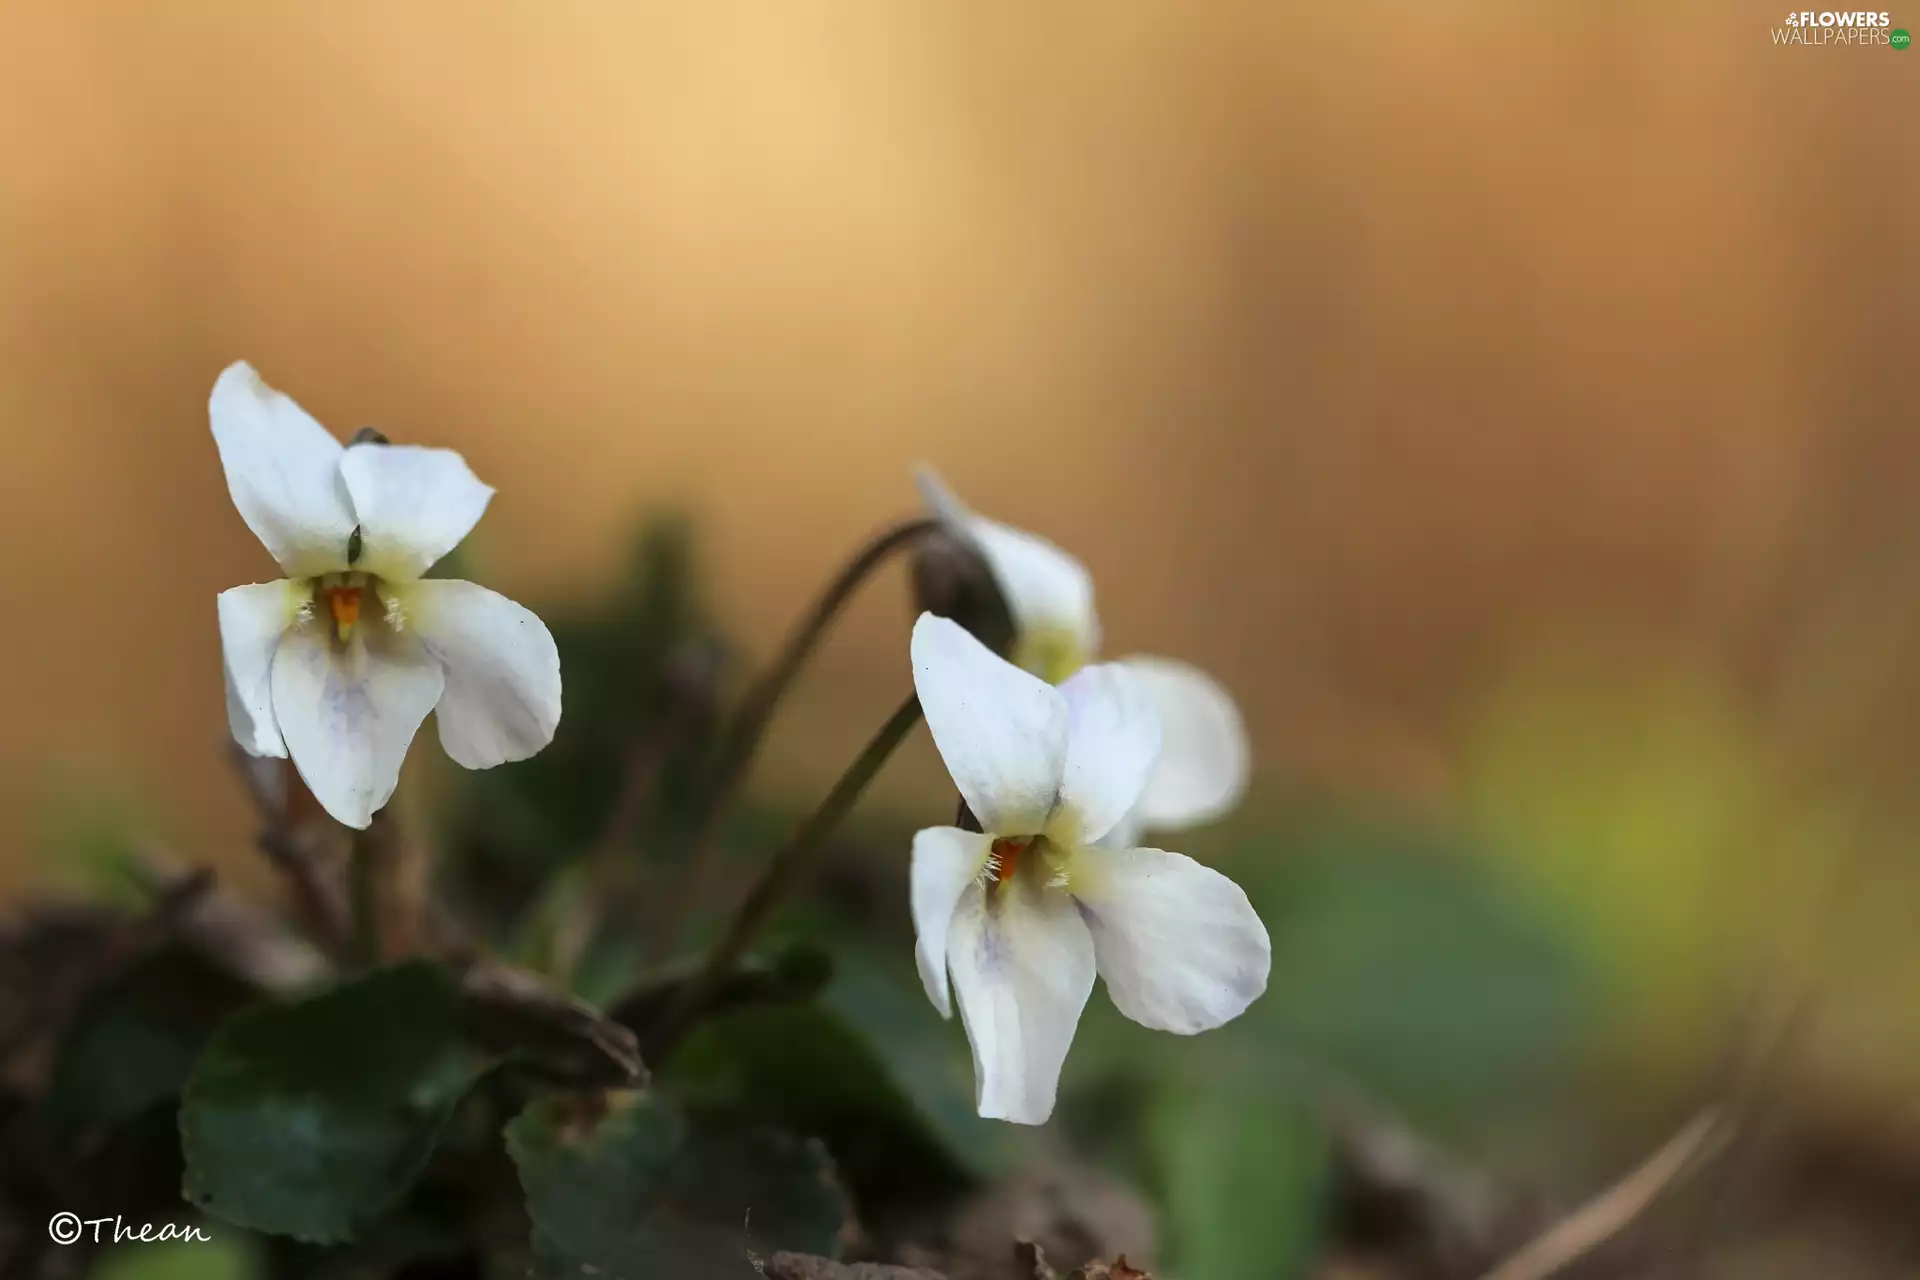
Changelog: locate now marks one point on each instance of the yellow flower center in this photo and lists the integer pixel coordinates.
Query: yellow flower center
(1052, 653)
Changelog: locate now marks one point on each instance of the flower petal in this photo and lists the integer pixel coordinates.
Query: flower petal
(502, 700)
(1204, 757)
(348, 716)
(283, 470)
(415, 505)
(252, 620)
(1126, 833)
(1178, 943)
(946, 861)
(1002, 732)
(1048, 591)
(1023, 966)
(1113, 740)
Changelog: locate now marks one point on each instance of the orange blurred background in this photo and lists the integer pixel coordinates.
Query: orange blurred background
(1370, 355)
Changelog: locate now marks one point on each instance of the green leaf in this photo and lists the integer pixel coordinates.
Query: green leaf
(637, 1193)
(1246, 1173)
(222, 1256)
(310, 1118)
(134, 1042)
(1396, 963)
(800, 1066)
(926, 1055)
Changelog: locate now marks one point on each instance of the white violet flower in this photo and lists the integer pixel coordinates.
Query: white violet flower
(1204, 758)
(337, 664)
(1024, 912)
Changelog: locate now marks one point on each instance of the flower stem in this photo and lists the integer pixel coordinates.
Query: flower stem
(364, 888)
(386, 905)
(756, 708)
(782, 875)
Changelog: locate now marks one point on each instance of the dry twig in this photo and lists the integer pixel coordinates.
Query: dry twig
(1603, 1217)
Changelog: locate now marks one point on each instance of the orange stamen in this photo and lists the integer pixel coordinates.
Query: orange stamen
(344, 604)
(1005, 855)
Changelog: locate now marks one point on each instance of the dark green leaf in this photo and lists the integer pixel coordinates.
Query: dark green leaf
(135, 1041)
(637, 1193)
(310, 1118)
(925, 1055)
(801, 1067)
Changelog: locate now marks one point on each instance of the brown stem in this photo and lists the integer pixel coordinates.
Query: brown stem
(386, 893)
(756, 708)
(610, 854)
(782, 875)
(294, 849)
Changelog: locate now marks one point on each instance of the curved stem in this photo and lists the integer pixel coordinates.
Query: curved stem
(757, 705)
(783, 874)
(756, 708)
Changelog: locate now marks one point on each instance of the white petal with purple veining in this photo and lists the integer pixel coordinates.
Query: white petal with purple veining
(1023, 966)
(349, 715)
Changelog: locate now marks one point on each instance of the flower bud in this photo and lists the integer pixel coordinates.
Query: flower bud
(951, 580)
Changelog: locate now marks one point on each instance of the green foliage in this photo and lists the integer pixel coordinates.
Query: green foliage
(1638, 804)
(802, 1066)
(1398, 972)
(634, 679)
(309, 1118)
(222, 1256)
(638, 1193)
(1246, 1171)
(925, 1055)
(360, 1130)
(92, 833)
(1398, 966)
(134, 1042)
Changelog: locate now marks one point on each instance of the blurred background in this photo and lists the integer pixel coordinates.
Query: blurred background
(1508, 402)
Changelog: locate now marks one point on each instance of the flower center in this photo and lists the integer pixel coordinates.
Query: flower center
(1003, 859)
(345, 599)
(1038, 858)
(1052, 653)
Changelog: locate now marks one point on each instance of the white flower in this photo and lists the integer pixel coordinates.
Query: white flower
(1204, 757)
(338, 663)
(1025, 911)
